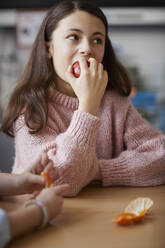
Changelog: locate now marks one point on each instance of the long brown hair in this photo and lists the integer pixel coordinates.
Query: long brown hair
(31, 94)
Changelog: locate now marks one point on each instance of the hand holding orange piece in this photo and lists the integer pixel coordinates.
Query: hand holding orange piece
(135, 211)
(47, 179)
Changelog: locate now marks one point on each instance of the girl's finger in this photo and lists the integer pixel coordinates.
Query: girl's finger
(38, 164)
(52, 171)
(44, 158)
(93, 64)
(36, 179)
(83, 64)
(100, 69)
(62, 189)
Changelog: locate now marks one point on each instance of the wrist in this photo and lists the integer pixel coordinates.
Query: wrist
(88, 107)
(42, 208)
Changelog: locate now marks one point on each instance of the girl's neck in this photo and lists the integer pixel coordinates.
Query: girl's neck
(64, 87)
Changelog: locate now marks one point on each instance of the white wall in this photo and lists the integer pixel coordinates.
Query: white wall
(145, 48)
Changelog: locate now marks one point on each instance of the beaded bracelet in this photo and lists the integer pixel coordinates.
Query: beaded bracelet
(39, 204)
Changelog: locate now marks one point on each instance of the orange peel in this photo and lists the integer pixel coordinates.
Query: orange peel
(135, 211)
(47, 178)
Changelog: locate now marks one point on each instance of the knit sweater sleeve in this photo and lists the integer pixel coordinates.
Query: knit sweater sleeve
(72, 151)
(142, 163)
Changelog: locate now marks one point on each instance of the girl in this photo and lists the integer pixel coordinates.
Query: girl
(85, 123)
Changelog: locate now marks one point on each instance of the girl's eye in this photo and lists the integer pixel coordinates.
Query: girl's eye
(97, 41)
(73, 37)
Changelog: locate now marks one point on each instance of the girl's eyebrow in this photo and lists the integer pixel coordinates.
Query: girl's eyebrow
(80, 31)
(98, 33)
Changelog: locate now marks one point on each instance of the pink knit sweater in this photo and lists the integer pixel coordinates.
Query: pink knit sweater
(118, 144)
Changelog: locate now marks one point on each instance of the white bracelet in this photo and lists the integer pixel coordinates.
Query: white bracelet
(45, 217)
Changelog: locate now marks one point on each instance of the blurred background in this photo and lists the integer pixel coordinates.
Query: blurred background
(137, 32)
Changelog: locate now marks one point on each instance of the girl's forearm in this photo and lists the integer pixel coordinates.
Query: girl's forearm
(7, 184)
(24, 220)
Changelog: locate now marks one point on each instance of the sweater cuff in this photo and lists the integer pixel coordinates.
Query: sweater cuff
(115, 172)
(84, 127)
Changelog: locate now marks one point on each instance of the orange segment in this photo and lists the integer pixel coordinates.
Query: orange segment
(47, 179)
(125, 219)
(129, 218)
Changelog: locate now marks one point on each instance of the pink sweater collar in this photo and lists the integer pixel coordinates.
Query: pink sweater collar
(64, 100)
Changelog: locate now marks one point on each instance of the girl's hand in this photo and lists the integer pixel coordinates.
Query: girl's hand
(31, 180)
(43, 163)
(51, 198)
(90, 86)
(27, 183)
(40, 164)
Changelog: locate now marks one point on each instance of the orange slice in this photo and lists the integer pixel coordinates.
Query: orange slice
(125, 219)
(47, 179)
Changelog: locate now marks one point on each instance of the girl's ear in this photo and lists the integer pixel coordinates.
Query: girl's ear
(49, 50)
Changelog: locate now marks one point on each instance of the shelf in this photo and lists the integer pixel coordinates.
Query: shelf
(115, 16)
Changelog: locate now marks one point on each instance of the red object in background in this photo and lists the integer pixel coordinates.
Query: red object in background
(76, 69)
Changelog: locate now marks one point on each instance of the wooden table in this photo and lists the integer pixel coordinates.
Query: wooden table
(86, 221)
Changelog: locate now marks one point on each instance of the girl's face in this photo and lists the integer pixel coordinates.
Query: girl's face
(78, 34)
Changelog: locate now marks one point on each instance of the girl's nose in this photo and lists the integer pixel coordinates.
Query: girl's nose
(86, 53)
(85, 48)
